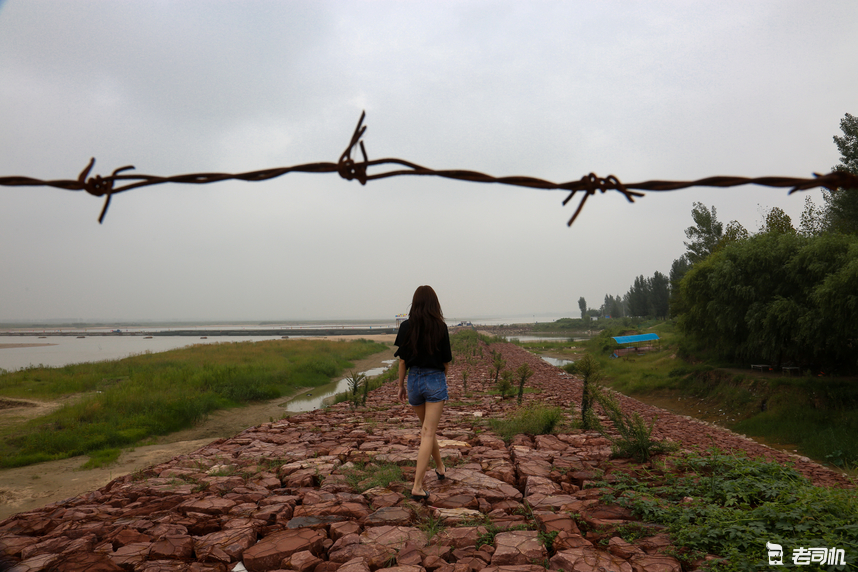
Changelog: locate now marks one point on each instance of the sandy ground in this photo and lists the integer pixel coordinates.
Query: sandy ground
(34, 486)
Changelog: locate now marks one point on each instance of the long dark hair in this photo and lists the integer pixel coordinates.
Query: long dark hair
(426, 321)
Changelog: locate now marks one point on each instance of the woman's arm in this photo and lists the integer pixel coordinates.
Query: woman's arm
(402, 392)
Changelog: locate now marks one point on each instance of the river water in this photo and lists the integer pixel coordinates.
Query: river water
(58, 351)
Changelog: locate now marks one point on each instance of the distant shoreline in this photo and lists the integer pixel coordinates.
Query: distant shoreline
(282, 332)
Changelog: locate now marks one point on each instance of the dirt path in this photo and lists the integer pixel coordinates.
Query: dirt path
(30, 487)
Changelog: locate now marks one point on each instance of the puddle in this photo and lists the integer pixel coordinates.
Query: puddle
(559, 362)
(314, 399)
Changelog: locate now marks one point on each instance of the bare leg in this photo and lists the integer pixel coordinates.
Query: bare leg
(429, 415)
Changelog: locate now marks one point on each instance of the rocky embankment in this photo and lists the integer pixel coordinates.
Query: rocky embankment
(279, 497)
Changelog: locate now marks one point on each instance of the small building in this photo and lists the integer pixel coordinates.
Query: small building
(636, 344)
(400, 318)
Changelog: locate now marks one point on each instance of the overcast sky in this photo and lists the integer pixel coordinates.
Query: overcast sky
(641, 90)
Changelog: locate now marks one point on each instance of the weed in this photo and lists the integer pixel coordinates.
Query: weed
(547, 540)
(357, 385)
(533, 419)
(739, 505)
(635, 438)
(364, 476)
(430, 524)
(102, 458)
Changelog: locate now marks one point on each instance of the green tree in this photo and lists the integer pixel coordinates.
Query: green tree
(842, 204)
(678, 270)
(616, 309)
(733, 233)
(813, 219)
(777, 297)
(704, 235)
(639, 297)
(659, 295)
(582, 304)
(778, 222)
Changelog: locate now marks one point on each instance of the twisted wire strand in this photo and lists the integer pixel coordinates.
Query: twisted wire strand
(350, 169)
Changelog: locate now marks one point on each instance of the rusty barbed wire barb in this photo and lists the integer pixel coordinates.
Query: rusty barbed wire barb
(349, 169)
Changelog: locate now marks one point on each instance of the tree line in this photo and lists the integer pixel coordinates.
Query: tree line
(782, 294)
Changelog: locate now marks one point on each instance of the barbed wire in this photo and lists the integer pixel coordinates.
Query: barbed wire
(350, 169)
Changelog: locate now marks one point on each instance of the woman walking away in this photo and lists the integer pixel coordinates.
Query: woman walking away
(424, 350)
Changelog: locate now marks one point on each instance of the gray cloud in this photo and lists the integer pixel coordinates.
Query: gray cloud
(549, 89)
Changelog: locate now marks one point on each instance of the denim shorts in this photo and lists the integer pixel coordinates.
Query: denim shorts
(426, 386)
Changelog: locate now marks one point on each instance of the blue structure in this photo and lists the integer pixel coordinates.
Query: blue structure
(635, 339)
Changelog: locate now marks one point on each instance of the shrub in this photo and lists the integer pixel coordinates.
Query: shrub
(523, 373)
(589, 370)
(504, 385)
(498, 363)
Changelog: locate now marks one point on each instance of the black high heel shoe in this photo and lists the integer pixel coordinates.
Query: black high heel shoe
(441, 476)
(420, 498)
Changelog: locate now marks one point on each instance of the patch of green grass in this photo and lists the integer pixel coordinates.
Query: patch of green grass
(738, 505)
(128, 400)
(828, 435)
(533, 419)
(364, 476)
(430, 524)
(817, 415)
(102, 458)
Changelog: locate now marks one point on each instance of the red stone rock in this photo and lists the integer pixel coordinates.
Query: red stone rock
(162, 566)
(271, 550)
(50, 546)
(587, 559)
(515, 568)
(206, 567)
(655, 563)
(460, 537)
(172, 548)
(550, 522)
(340, 529)
(209, 505)
(395, 536)
(128, 536)
(303, 561)
(372, 555)
(391, 516)
(357, 564)
(518, 547)
(565, 540)
(40, 563)
(131, 554)
(12, 545)
(87, 562)
(540, 485)
(619, 547)
(654, 544)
